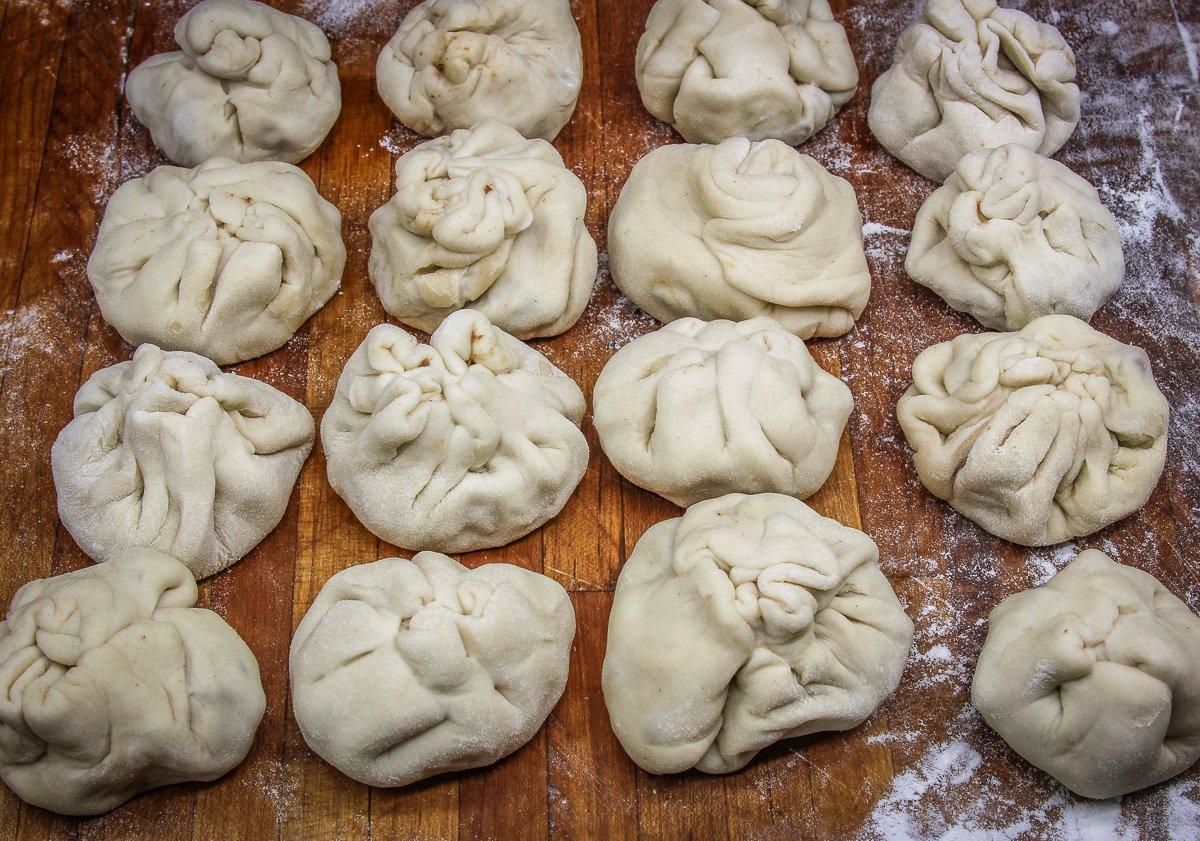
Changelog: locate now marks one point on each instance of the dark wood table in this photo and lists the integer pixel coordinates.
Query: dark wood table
(924, 765)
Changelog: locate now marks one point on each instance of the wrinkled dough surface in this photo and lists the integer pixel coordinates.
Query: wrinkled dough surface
(468, 442)
(113, 682)
(1013, 236)
(1039, 436)
(248, 83)
(169, 453)
(748, 620)
(455, 63)
(737, 231)
(484, 219)
(699, 409)
(758, 69)
(1093, 678)
(406, 669)
(971, 75)
(226, 260)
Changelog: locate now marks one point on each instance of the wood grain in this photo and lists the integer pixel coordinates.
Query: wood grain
(67, 141)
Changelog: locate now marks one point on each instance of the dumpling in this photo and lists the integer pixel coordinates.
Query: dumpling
(748, 620)
(248, 83)
(701, 409)
(1039, 436)
(971, 75)
(402, 670)
(716, 69)
(1013, 236)
(169, 453)
(468, 442)
(1093, 678)
(113, 682)
(484, 219)
(740, 230)
(455, 63)
(226, 260)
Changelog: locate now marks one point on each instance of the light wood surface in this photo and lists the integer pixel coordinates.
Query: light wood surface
(924, 765)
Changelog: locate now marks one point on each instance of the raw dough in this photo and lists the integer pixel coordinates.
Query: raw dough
(489, 220)
(169, 453)
(1093, 678)
(455, 63)
(226, 260)
(748, 620)
(759, 69)
(402, 669)
(740, 230)
(249, 83)
(700, 409)
(113, 682)
(971, 75)
(469, 442)
(1039, 436)
(1013, 236)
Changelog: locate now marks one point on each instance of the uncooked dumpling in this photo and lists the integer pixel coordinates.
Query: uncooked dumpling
(226, 260)
(1013, 236)
(169, 453)
(748, 620)
(402, 670)
(759, 69)
(455, 63)
(248, 83)
(1093, 678)
(700, 409)
(971, 75)
(740, 230)
(1039, 436)
(114, 682)
(468, 442)
(488, 220)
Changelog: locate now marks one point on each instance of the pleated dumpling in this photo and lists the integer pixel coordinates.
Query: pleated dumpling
(455, 63)
(971, 75)
(697, 410)
(1039, 436)
(226, 260)
(716, 69)
(1013, 236)
(169, 453)
(468, 442)
(484, 219)
(402, 670)
(114, 682)
(748, 620)
(249, 82)
(737, 231)
(1093, 678)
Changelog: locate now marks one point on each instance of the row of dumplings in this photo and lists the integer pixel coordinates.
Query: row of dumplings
(749, 619)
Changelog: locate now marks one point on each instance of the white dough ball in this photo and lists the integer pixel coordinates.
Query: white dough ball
(114, 682)
(971, 75)
(716, 69)
(248, 83)
(697, 410)
(1093, 678)
(1013, 236)
(748, 620)
(226, 260)
(1039, 436)
(168, 453)
(737, 231)
(468, 442)
(455, 63)
(484, 219)
(402, 670)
